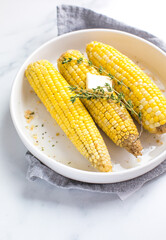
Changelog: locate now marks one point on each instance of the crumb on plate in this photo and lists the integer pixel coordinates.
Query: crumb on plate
(34, 136)
(159, 142)
(31, 127)
(29, 115)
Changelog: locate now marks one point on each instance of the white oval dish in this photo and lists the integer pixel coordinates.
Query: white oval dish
(59, 154)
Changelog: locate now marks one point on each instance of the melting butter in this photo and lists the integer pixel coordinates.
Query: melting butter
(94, 81)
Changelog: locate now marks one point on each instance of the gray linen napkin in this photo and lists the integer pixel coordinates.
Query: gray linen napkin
(71, 18)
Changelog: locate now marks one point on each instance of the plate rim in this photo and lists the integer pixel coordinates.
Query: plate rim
(80, 175)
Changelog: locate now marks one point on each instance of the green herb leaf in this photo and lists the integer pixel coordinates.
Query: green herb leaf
(79, 60)
(101, 69)
(110, 75)
(112, 96)
(109, 88)
(140, 116)
(90, 63)
(120, 82)
(130, 103)
(66, 60)
(72, 88)
(73, 99)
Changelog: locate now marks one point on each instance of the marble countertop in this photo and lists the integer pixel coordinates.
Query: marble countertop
(36, 210)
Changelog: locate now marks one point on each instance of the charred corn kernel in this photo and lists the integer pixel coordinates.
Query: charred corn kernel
(145, 95)
(113, 119)
(53, 90)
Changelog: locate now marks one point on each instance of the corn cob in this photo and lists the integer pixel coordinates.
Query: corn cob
(146, 97)
(112, 118)
(74, 119)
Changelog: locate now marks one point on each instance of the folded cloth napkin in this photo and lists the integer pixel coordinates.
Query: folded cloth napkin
(71, 18)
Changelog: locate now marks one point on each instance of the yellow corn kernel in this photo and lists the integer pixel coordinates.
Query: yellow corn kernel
(53, 90)
(142, 88)
(109, 115)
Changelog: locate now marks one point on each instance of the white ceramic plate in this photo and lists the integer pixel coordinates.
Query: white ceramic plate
(59, 153)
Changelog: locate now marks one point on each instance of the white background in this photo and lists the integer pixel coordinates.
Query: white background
(36, 210)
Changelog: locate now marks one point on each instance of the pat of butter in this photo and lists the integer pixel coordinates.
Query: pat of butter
(94, 81)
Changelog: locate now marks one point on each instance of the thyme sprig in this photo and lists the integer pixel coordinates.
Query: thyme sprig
(100, 93)
(95, 93)
(100, 69)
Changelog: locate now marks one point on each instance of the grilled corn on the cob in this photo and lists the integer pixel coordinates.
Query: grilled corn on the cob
(146, 97)
(112, 118)
(74, 119)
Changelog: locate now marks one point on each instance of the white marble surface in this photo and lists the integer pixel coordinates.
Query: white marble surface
(36, 210)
